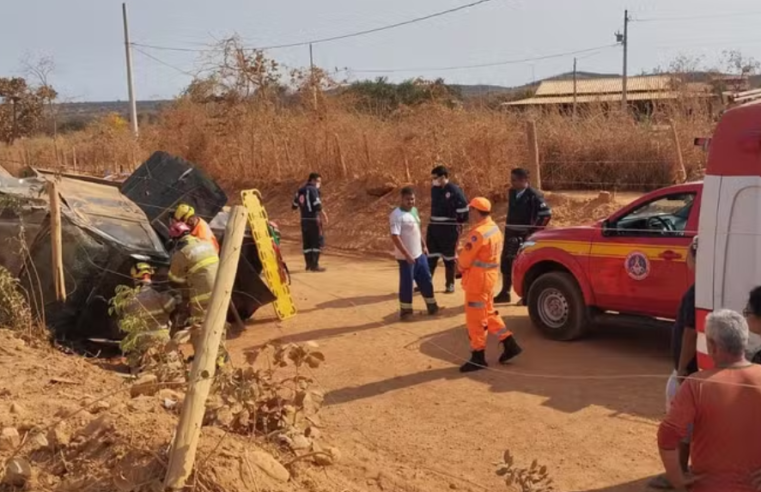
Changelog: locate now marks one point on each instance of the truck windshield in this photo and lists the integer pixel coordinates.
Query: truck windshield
(663, 216)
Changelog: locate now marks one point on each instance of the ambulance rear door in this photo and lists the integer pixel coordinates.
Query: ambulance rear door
(729, 264)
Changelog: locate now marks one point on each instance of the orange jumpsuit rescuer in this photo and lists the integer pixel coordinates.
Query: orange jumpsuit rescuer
(479, 263)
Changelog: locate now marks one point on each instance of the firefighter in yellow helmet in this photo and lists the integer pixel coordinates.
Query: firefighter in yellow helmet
(198, 227)
(479, 263)
(152, 308)
(193, 268)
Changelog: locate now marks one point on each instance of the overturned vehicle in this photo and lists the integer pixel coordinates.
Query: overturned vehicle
(106, 227)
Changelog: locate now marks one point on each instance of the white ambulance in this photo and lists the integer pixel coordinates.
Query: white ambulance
(729, 230)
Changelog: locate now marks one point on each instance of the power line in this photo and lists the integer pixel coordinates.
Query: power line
(166, 64)
(332, 38)
(483, 65)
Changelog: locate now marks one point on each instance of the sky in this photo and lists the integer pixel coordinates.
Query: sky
(85, 38)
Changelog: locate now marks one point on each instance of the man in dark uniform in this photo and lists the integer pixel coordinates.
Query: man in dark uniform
(449, 210)
(313, 218)
(527, 212)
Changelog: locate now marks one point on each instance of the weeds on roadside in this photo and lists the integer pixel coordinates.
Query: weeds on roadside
(264, 400)
(536, 478)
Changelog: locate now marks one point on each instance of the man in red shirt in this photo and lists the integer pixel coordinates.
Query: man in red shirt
(721, 404)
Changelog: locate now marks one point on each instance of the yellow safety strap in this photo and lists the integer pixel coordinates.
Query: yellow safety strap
(257, 219)
(203, 263)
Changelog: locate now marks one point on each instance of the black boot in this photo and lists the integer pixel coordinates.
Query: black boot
(308, 261)
(433, 309)
(512, 349)
(476, 363)
(451, 268)
(503, 297)
(406, 314)
(316, 263)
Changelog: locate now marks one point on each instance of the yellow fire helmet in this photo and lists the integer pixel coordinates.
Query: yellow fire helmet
(140, 270)
(184, 212)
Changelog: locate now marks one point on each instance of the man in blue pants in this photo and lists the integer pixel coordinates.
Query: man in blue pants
(410, 252)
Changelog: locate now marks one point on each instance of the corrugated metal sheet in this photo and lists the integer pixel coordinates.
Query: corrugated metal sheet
(604, 98)
(604, 86)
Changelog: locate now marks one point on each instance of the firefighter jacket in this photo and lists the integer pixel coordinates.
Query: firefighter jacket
(202, 231)
(448, 205)
(479, 258)
(308, 201)
(526, 213)
(153, 307)
(194, 267)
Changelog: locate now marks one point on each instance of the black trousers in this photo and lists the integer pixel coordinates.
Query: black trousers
(441, 239)
(509, 252)
(312, 242)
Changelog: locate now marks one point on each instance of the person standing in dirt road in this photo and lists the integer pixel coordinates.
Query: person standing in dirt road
(410, 252)
(527, 212)
(449, 210)
(479, 263)
(313, 218)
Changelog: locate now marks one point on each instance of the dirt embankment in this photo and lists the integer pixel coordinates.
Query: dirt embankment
(68, 424)
(358, 210)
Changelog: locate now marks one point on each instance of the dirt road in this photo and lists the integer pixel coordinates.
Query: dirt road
(406, 420)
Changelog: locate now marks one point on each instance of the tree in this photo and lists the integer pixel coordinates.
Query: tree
(40, 69)
(21, 108)
(382, 97)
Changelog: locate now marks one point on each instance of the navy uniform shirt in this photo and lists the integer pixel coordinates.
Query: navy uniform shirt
(307, 200)
(527, 211)
(448, 204)
(684, 319)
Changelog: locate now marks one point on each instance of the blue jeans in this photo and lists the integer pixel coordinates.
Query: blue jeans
(417, 273)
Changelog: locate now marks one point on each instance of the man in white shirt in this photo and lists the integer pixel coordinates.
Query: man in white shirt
(410, 252)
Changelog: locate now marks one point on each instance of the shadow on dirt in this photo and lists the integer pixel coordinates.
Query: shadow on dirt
(613, 368)
(353, 302)
(636, 486)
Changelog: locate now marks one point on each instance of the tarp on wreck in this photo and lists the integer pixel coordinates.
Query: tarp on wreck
(103, 232)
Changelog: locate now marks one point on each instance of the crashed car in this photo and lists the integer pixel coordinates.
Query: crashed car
(106, 227)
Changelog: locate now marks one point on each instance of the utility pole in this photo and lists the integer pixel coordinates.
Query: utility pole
(130, 78)
(625, 42)
(312, 83)
(574, 88)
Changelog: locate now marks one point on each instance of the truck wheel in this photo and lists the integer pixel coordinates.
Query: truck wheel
(556, 306)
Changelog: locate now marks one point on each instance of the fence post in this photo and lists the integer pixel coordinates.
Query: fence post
(185, 444)
(56, 242)
(340, 156)
(678, 171)
(533, 155)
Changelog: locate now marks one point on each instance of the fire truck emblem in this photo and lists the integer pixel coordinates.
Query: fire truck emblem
(637, 265)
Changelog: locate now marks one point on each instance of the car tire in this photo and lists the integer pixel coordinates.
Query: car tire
(556, 306)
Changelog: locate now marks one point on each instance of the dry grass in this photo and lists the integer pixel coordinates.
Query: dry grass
(260, 142)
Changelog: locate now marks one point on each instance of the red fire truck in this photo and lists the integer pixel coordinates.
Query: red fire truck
(633, 262)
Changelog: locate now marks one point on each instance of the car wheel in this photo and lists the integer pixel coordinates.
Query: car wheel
(556, 306)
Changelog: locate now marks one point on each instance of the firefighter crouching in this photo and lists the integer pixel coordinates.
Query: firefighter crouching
(479, 263)
(193, 268)
(151, 308)
(449, 210)
(198, 227)
(527, 212)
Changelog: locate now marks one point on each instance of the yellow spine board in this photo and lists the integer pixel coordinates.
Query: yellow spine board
(257, 220)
